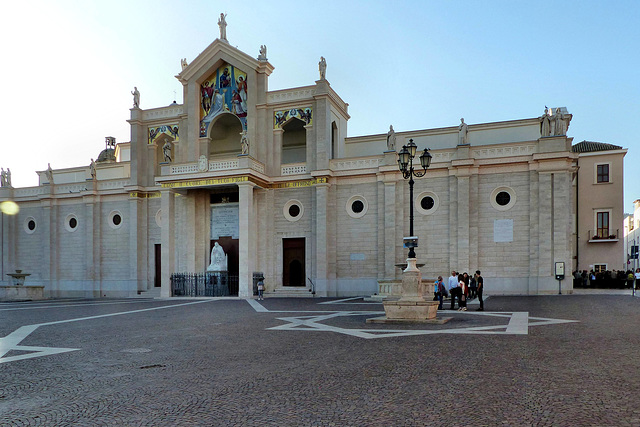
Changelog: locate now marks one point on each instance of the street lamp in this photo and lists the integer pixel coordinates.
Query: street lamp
(405, 163)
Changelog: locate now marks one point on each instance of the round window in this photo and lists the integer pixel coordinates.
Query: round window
(30, 225)
(115, 219)
(71, 222)
(427, 203)
(293, 210)
(357, 206)
(503, 198)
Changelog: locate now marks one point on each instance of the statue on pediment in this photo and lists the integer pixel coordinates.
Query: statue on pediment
(391, 139)
(183, 63)
(92, 169)
(263, 53)
(463, 133)
(558, 122)
(222, 23)
(545, 123)
(218, 259)
(322, 67)
(3, 178)
(136, 97)
(49, 173)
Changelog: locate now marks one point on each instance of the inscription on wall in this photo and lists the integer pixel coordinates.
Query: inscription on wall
(224, 221)
(503, 230)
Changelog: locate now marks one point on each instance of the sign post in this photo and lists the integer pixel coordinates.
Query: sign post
(559, 275)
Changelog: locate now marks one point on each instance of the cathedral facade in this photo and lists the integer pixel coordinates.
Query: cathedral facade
(272, 177)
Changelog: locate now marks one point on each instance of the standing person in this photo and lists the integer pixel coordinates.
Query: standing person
(480, 283)
(464, 290)
(637, 276)
(260, 290)
(453, 290)
(473, 287)
(439, 290)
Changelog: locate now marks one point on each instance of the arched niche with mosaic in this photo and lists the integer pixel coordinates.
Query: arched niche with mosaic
(224, 91)
(169, 130)
(282, 116)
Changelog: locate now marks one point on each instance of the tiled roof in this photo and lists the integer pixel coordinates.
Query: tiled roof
(590, 146)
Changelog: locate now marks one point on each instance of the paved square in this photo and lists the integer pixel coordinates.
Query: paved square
(556, 360)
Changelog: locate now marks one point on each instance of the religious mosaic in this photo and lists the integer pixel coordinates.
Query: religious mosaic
(281, 117)
(225, 91)
(170, 130)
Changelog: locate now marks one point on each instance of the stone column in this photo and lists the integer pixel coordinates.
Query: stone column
(534, 231)
(453, 218)
(247, 242)
(168, 206)
(274, 166)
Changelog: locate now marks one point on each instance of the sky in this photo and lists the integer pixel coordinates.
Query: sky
(68, 66)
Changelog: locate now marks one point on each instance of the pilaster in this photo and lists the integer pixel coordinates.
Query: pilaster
(247, 245)
(168, 253)
(321, 263)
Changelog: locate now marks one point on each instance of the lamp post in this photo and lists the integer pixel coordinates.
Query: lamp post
(405, 163)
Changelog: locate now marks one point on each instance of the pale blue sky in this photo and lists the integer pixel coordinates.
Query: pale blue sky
(69, 66)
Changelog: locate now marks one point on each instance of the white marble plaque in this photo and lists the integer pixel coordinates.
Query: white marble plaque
(503, 230)
(224, 221)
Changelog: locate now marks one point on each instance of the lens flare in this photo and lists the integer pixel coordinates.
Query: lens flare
(10, 208)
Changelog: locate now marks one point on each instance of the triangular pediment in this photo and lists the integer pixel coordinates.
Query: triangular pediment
(214, 56)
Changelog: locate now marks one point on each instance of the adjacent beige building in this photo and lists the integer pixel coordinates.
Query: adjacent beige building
(599, 206)
(273, 178)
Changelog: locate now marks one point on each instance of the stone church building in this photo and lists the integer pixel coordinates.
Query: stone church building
(273, 178)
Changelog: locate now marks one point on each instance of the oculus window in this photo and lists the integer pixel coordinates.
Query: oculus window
(426, 203)
(293, 210)
(503, 198)
(357, 206)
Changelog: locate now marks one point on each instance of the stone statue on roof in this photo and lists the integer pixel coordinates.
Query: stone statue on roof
(263, 53)
(391, 139)
(463, 133)
(322, 67)
(136, 97)
(222, 23)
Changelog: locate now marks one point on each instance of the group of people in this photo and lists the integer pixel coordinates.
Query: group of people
(460, 286)
(619, 279)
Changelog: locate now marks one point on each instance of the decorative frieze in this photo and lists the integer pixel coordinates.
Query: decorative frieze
(290, 95)
(162, 113)
(338, 165)
(509, 151)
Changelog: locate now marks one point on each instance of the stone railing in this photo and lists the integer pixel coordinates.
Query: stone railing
(294, 169)
(517, 150)
(214, 166)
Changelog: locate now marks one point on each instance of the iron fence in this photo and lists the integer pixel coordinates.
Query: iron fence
(209, 284)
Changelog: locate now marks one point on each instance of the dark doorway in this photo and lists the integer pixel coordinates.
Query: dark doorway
(293, 271)
(231, 248)
(157, 282)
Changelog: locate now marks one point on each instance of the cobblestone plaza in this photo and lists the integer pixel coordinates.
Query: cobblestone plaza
(540, 360)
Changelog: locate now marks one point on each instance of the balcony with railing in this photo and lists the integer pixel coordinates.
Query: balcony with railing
(214, 165)
(603, 236)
